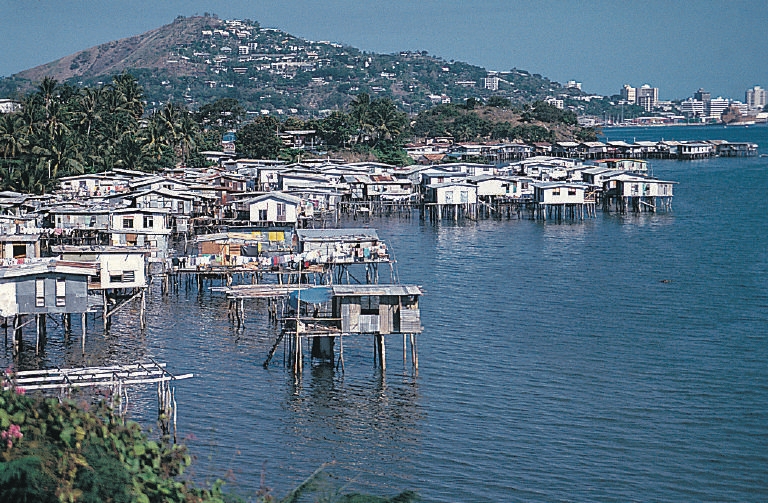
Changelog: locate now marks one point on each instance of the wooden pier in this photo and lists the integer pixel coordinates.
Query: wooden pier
(327, 314)
(115, 378)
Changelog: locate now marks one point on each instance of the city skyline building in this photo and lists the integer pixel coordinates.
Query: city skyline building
(755, 98)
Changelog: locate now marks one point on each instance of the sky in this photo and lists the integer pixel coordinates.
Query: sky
(677, 46)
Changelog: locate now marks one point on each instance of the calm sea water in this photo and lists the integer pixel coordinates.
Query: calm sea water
(623, 358)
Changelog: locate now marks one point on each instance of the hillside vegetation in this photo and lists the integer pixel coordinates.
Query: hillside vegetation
(197, 60)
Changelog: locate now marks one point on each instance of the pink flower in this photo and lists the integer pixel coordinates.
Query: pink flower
(20, 391)
(12, 433)
(15, 431)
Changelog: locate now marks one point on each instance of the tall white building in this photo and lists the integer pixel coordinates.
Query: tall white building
(755, 97)
(629, 94)
(717, 106)
(572, 84)
(692, 108)
(647, 97)
(491, 82)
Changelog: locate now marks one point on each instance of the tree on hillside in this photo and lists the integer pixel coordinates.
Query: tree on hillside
(361, 116)
(259, 139)
(498, 102)
(388, 123)
(544, 112)
(224, 113)
(336, 130)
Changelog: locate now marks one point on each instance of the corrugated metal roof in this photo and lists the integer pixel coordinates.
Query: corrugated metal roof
(55, 266)
(336, 234)
(358, 290)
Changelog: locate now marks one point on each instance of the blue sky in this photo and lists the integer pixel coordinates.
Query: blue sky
(674, 45)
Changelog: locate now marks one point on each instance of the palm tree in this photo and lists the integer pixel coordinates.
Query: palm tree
(88, 109)
(388, 122)
(361, 116)
(131, 94)
(60, 154)
(177, 129)
(13, 141)
(30, 180)
(187, 133)
(47, 90)
(152, 136)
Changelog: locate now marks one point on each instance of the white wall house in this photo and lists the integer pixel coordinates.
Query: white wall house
(452, 193)
(274, 207)
(559, 192)
(146, 227)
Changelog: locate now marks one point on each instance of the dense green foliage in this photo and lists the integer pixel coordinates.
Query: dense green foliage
(55, 451)
(259, 139)
(64, 131)
(64, 452)
(474, 122)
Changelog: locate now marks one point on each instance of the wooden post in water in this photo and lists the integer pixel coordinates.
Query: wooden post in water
(143, 309)
(382, 352)
(106, 308)
(17, 333)
(37, 333)
(84, 324)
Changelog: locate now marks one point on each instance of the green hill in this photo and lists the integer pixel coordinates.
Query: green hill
(197, 60)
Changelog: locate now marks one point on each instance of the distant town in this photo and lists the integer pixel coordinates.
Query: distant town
(701, 108)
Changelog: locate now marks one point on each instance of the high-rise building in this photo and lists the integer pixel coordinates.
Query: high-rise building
(647, 97)
(717, 106)
(572, 84)
(629, 94)
(755, 97)
(692, 108)
(491, 82)
(704, 97)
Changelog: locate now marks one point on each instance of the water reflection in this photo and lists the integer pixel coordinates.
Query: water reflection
(363, 424)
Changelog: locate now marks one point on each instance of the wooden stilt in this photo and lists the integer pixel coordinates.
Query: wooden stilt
(382, 353)
(84, 324)
(37, 334)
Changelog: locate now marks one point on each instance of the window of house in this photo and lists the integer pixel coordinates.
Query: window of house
(571, 192)
(129, 276)
(40, 292)
(464, 196)
(149, 222)
(263, 215)
(369, 304)
(61, 292)
(281, 211)
(127, 222)
(449, 197)
(115, 277)
(20, 251)
(556, 192)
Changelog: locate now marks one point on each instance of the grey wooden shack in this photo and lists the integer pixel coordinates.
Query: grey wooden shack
(46, 287)
(377, 309)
